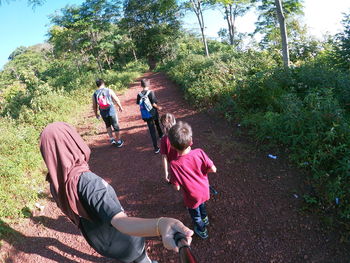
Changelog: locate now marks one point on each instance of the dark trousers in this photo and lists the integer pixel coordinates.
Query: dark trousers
(197, 215)
(152, 130)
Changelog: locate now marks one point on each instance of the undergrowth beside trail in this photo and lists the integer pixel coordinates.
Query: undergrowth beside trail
(26, 107)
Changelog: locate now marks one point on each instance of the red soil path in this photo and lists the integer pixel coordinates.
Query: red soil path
(254, 218)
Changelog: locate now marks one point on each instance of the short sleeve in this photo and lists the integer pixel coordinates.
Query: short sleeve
(163, 145)
(173, 179)
(207, 163)
(152, 97)
(98, 198)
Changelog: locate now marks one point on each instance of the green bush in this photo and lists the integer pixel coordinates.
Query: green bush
(20, 174)
(26, 108)
(310, 124)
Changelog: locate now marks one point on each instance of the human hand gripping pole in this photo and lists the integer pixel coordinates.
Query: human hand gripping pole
(185, 252)
(168, 227)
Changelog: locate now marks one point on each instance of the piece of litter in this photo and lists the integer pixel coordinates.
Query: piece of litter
(295, 195)
(41, 207)
(272, 156)
(337, 200)
(239, 125)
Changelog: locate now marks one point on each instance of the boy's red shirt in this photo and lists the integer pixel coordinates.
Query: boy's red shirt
(190, 173)
(165, 148)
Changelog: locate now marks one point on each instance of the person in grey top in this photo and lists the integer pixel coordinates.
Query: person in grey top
(103, 99)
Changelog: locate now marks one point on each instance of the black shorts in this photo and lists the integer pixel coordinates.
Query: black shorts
(111, 121)
(101, 203)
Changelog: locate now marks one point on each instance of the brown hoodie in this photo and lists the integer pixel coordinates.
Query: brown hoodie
(66, 156)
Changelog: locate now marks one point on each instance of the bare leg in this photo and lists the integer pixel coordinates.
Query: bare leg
(110, 134)
(117, 135)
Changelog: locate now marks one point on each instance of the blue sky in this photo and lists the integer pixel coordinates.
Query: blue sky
(21, 25)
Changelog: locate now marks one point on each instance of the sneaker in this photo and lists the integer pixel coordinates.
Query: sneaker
(113, 142)
(156, 150)
(205, 221)
(119, 143)
(201, 234)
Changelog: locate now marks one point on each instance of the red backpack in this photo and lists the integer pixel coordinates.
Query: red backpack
(103, 98)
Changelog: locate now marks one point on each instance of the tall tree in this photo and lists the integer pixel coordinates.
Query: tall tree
(153, 26)
(197, 6)
(342, 46)
(83, 30)
(232, 10)
(283, 29)
(268, 23)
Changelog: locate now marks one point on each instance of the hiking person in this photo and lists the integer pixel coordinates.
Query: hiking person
(168, 153)
(149, 111)
(103, 99)
(92, 204)
(190, 172)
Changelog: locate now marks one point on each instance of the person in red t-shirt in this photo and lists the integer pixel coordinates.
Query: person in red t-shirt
(168, 153)
(190, 172)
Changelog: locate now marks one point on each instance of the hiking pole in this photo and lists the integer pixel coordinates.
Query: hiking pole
(185, 253)
(212, 190)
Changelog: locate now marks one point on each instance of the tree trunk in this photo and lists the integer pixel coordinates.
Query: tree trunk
(108, 61)
(95, 53)
(134, 54)
(283, 29)
(230, 23)
(198, 11)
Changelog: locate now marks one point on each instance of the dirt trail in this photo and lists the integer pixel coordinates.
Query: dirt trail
(254, 218)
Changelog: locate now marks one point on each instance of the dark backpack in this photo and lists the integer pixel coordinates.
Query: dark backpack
(103, 99)
(145, 106)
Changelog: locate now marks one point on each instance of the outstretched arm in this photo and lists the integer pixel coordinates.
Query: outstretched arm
(148, 227)
(153, 99)
(212, 169)
(116, 99)
(165, 166)
(94, 106)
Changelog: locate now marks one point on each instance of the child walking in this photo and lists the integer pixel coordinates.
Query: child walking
(190, 172)
(168, 153)
(153, 120)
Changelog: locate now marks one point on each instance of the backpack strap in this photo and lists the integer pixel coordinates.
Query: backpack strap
(143, 96)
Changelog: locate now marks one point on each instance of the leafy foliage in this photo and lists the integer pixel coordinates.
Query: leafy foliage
(342, 50)
(153, 26)
(267, 23)
(232, 10)
(86, 31)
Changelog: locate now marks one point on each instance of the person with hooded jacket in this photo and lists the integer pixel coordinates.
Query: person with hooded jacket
(92, 204)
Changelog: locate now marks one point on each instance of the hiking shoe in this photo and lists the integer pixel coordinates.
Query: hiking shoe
(119, 143)
(205, 221)
(156, 150)
(112, 141)
(201, 234)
